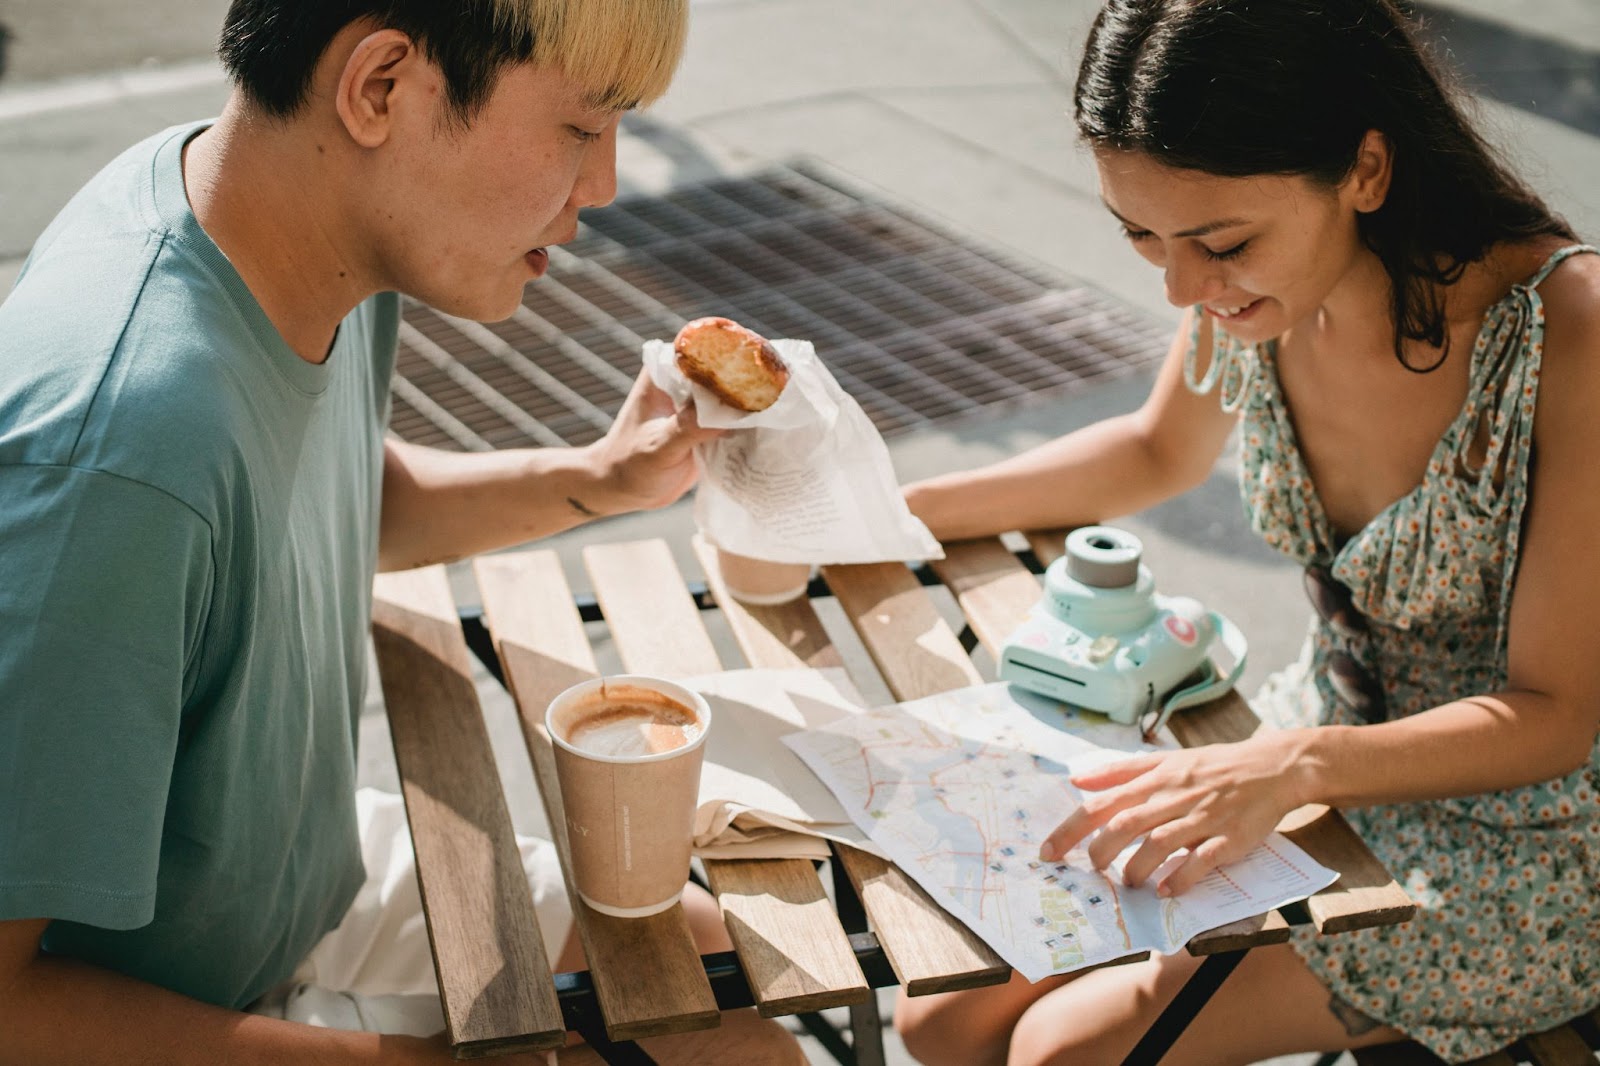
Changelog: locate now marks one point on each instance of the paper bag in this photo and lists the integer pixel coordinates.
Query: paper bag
(808, 480)
(758, 799)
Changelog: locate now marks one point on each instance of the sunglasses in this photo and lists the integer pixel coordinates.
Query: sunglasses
(1353, 683)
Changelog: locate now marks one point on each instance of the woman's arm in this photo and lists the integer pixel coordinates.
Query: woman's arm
(1113, 467)
(442, 506)
(1222, 800)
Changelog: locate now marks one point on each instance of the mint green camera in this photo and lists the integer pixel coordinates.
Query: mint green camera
(1104, 640)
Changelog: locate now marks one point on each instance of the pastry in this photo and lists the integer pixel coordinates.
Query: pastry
(739, 366)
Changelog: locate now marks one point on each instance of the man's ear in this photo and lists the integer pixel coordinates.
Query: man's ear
(1368, 181)
(365, 94)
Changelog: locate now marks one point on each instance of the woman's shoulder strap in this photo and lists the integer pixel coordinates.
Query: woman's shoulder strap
(1559, 256)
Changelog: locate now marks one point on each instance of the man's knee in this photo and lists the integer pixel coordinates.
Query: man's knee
(705, 920)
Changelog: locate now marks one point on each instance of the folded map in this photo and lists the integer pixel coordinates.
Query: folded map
(960, 789)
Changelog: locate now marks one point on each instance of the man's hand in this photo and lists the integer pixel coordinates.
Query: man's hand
(646, 458)
(1219, 801)
(440, 506)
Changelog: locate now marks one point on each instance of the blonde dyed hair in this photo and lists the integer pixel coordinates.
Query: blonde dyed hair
(623, 52)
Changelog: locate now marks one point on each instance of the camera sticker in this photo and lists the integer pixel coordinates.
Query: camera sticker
(1182, 630)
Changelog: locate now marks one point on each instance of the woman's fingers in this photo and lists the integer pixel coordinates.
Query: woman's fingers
(1204, 858)
(1217, 801)
(1080, 823)
(1121, 817)
(1117, 773)
(1122, 830)
(1096, 809)
(1111, 798)
(1163, 842)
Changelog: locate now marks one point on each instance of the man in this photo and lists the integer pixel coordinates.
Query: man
(194, 371)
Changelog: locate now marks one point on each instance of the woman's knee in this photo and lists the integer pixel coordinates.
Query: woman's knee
(1045, 1037)
(1099, 1018)
(758, 1041)
(945, 1031)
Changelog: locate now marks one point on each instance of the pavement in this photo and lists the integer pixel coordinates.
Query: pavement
(955, 107)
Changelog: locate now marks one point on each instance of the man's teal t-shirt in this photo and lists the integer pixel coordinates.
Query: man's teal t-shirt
(188, 532)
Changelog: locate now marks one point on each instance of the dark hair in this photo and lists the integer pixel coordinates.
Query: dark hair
(1242, 87)
(271, 47)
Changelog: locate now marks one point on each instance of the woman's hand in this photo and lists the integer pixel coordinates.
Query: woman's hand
(646, 458)
(1219, 801)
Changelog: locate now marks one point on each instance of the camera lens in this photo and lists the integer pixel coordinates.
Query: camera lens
(1103, 556)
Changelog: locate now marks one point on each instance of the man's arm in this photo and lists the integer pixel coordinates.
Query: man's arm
(442, 506)
(59, 1012)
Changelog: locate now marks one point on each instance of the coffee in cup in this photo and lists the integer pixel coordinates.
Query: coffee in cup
(628, 753)
(633, 729)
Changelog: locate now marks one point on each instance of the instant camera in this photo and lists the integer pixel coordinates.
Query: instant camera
(1104, 640)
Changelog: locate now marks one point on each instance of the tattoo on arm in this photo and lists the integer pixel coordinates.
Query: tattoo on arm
(1355, 1023)
(577, 505)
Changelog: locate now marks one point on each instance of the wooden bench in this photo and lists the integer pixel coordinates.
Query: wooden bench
(792, 952)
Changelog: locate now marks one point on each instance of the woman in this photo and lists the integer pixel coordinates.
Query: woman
(1409, 342)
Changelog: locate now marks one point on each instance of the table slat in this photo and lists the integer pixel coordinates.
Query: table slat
(782, 926)
(1253, 932)
(1365, 894)
(789, 635)
(1408, 1053)
(928, 949)
(918, 655)
(794, 951)
(494, 977)
(646, 971)
(653, 619)
(994, 589)
(1048, 544)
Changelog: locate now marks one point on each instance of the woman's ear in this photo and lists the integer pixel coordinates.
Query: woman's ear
(365, 94)
(1368, 181)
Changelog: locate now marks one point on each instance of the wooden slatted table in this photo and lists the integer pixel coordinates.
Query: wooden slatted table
(791, 947)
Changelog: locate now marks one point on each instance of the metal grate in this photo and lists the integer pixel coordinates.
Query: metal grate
(918, 325)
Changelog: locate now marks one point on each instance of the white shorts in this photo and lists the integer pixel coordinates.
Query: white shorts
(374, 973)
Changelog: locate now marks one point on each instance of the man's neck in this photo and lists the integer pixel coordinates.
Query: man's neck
(266, 192)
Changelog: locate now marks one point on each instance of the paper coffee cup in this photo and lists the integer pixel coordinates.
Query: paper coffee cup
(629, 794)
(762, 583)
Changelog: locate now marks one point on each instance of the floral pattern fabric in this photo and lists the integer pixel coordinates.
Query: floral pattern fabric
(1505, 941)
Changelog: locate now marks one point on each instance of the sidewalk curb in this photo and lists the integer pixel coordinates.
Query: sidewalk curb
(41, 98)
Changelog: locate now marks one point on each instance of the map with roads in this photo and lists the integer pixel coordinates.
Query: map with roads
(960, 789)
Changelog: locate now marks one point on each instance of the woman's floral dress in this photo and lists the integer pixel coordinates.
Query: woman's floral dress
(1505, 941)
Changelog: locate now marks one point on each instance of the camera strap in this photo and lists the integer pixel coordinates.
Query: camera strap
(1213, 684)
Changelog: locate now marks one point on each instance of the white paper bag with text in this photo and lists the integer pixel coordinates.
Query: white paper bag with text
(808, 480)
